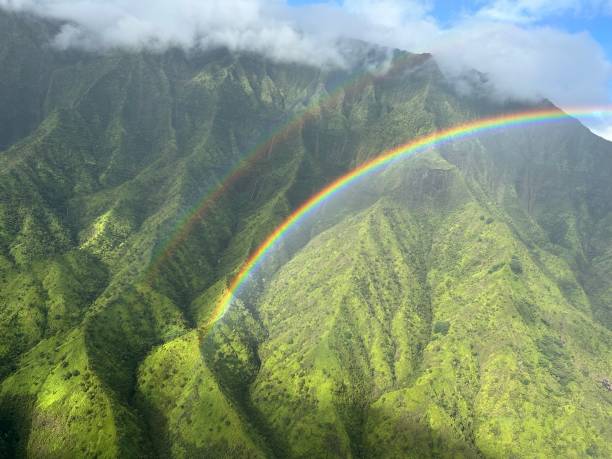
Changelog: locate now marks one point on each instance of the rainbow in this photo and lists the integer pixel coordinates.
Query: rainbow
(283, 132)
(408, 149)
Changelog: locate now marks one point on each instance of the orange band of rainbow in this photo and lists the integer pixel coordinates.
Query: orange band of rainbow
(410, 148)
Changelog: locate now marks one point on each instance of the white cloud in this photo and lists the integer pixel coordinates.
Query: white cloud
(389, 13)
(529, 63)
(248, 25)
(603, 131)
(503, 39)
(527, 10)
(524, 11)
(522, 61)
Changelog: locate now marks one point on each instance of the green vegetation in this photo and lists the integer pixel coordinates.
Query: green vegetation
(515, 266)
(454, 305)
(441, 327)
(499, 374)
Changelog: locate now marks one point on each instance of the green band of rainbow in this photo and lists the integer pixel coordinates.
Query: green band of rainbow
(352, 83)
(408, 149)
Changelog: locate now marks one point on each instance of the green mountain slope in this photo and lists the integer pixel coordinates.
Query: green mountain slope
(427, 312)
(428, 325)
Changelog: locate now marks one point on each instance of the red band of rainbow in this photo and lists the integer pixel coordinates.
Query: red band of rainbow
(410, 148)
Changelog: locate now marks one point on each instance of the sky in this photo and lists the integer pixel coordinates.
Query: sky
(529, 49)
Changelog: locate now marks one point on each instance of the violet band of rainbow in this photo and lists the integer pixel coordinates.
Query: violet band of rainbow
(408, 149)
(183, 228)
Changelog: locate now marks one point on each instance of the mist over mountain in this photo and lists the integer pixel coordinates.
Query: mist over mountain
(454, 304)
(523, 60)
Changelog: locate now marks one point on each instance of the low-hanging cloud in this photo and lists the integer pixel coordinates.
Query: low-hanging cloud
(241, 25)
(503, 39)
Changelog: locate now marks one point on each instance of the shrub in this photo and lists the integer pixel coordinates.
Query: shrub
(442, 327)
(516, 266)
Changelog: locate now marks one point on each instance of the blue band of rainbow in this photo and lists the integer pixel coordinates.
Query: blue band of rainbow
(410, 148)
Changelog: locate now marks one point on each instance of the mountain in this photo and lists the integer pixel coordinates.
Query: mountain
(456, 304)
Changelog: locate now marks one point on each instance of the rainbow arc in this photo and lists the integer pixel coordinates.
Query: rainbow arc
(418, 145)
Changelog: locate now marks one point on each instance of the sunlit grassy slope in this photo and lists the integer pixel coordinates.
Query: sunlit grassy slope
(417, 327)
(457, 304)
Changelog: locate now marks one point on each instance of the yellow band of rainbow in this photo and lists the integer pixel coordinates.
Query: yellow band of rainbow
(420, 144)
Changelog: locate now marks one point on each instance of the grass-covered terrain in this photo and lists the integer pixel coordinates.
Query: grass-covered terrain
(457, 304)
(408, 328)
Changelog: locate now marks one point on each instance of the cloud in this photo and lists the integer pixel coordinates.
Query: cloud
(389, 13)
(604, 131)
(503, 39)
(527, 10)
(246, 25)
(529, 63)
(521, 61)
(523, 11)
